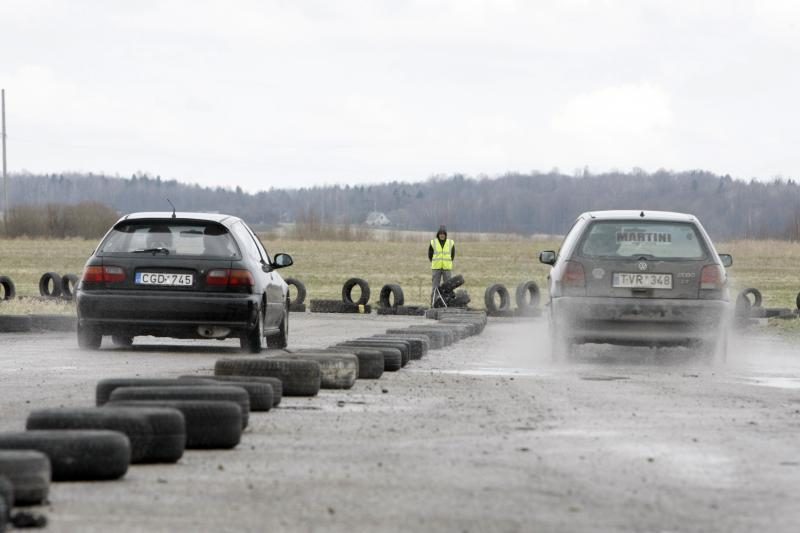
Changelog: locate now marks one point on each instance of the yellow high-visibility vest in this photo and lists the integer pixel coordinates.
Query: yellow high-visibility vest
(441, 255)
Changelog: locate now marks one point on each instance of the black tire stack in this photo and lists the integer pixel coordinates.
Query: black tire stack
(452, 297)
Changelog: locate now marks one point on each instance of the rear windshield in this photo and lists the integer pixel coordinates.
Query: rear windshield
(634, 239)
(202, 239)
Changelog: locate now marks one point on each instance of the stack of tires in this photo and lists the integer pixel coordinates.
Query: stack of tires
(347, 304)
(527, 299)
(450, 297)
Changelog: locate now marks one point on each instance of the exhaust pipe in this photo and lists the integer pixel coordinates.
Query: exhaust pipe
(213, 332)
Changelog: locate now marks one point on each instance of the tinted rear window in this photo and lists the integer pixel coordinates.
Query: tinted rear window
(178, 238)
(633, 239)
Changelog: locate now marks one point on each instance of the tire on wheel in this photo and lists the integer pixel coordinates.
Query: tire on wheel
(76, 455)
(347, 291)
(50, 285)
(195, 392)
(300, 288)
(209, 424)
(155, 435)
(253, 340)
(299, 378)
(489, 298)
(29, 472)
(89, 338)
(9, 291)
(387, 292)
(281, 339)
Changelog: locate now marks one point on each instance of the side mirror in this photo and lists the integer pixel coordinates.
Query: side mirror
(727, 259)
(281, 261)
(547, 257)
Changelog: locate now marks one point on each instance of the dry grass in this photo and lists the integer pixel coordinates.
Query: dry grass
(392, 257)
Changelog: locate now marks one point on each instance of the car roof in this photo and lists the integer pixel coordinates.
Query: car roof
(167, 215)
(639, 215)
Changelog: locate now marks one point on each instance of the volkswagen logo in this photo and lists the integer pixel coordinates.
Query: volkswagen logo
(642, 266)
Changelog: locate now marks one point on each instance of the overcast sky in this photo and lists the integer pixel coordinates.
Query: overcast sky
(292, 93)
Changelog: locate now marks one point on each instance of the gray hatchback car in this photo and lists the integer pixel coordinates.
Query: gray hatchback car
(638, 278)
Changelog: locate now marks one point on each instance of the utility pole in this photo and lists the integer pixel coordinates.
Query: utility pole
(5, 176)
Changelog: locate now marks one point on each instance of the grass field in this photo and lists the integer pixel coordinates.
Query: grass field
(324, 266)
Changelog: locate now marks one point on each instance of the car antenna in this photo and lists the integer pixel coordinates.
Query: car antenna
(640, 214)
(173, 209)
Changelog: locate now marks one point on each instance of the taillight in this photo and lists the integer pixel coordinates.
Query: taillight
(224, 277)
(103, 274)
(712, 277)
(573, 275)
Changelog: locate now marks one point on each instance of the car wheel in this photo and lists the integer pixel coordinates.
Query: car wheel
(281, 339)
(252, 340)
(122, 340)
(89, 338)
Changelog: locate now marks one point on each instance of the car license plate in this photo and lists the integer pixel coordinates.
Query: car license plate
(623, 280)
(164, 279)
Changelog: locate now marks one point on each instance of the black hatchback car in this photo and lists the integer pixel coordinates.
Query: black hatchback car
(183, 275)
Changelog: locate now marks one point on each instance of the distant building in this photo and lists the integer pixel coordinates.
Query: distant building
(376, 218)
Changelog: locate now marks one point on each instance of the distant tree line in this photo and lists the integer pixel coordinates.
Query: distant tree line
(513, 203)
(88, 220)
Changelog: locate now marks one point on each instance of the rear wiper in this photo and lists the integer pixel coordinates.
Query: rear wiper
(153, 251)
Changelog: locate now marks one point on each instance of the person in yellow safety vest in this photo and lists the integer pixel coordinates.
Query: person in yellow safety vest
(441, 253)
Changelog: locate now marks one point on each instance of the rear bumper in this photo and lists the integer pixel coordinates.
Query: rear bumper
(639, 321)
(168, 314)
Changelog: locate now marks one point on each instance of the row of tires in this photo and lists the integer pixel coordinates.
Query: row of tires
(154, 420)
(748, 305)
(497, 298)
(51, 285)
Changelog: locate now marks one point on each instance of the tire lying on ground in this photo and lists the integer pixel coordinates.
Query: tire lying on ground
(335, 306)
(29, 473)
(403, 346)
(15, 323)
(76, 454)
(68, 283)
(527, 295)
(50, 285)
(391, 296)
(460, 299)
(156, 435)
(106, 386)
(489, 298)
(435, 342)
(337, 370)
(370, 361)
(9, 291)
(300, 289)
(53, 323)
(299, 378)
(275, 384)
(209, 424)
(347, 291)
(392, 357)
(445, 337)
(219, 393)
(417, 345)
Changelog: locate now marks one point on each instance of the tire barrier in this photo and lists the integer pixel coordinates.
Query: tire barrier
(156, 435)
(746, 309)
(489, 298)
(347, 291)
(54, 323)
(527, 295)
(191, 391)
(403, 310)
(68, 284)
(76, 455)
(210, 424)
(9, 291)
(391, 296)
(337, 371)
(29, 473)
(297, 308)
(299, 378)
(335, 306)
(15, 323)
(300, 291)
(274, 383)
(370, 362)
(50, 285)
